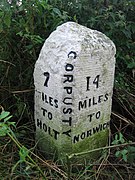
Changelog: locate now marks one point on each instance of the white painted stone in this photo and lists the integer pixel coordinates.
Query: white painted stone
(73, 79)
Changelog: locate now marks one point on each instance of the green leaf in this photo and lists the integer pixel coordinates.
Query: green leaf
(20, 34)
(127, 33)
(1, 14)
(131, 149)
(124, 153)
(57, 11)
(7, 118)
(4, 114)
(121, 139)
(3, 129)
(23, 154)
(7, 19)
(12, 123)
(125, 157)
(131, 154)
(118, 154)
(116, 141)
(116, 137)
(131, 65)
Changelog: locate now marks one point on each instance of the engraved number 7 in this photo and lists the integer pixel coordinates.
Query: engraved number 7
(47, 78)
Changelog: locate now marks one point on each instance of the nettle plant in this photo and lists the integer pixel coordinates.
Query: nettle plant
(6, 126)
(127, 153)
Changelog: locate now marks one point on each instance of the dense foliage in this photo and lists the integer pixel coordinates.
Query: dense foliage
(23, 30)
(24, 26)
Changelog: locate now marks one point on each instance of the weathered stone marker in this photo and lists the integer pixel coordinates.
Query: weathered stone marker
(73, 79)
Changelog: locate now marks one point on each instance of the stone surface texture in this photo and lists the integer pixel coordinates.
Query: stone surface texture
(73, 79)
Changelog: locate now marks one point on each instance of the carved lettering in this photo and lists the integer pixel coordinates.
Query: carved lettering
(90, 132)
(92, 101)
(47, 129)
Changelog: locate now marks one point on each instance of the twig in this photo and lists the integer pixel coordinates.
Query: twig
(123, 118)
(23, 91)
(98, 149)
(116, 171)
(16, 92)
(20, 146)
(62, 173)
(112, 164)
(7, 62)
(98, 171)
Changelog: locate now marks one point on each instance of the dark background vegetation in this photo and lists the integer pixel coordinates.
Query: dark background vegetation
(23, 30)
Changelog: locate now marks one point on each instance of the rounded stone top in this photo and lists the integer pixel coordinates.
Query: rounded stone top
(74, 32)
(71, 36)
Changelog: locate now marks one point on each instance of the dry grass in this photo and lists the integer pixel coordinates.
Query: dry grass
(107, 167)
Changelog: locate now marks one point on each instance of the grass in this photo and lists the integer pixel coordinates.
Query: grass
(107, 167)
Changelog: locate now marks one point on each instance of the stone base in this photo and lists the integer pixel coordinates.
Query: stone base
(52, 151)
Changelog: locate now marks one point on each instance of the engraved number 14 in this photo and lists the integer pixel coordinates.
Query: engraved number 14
(95, 82)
